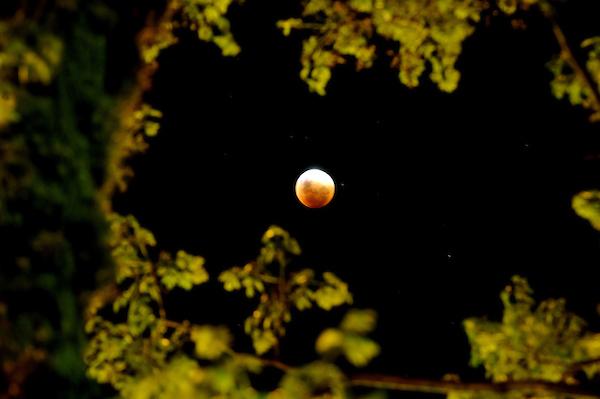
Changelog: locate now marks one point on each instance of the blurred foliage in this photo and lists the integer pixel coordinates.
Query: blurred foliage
(137, 119)
(587, 205)
(184, 378)
(29, 54)
(568, 83)
(205, 17)
(138, 338)
(349, 339)
(55, 121)
(136, 125)
(533, 342)
(425, 37)
(140, 352)
(67, 131)
(418, 36)
(315, 380)
(541, 342)
(280, 289)
(64, 136)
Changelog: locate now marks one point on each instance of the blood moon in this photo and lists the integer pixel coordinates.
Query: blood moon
(315, 188)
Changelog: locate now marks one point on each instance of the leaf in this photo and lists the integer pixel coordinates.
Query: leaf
(276, 238)
(207, 17)
(359, 350)
(330, 340)
(179, 378)
(185, 271)
(8, 108)
(228, 45)
(362, 5)
(230, 280)
(318, 379)
(349, 339)
(587, 205)
(123, 299)
(288, 24)
(359, 321)
(252, 285)
(211, 342)
(250, 363)
(140, 316)
(302, 302)
(263, 341)
(333, 293)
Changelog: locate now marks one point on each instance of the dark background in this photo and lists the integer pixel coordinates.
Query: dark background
(440, 197)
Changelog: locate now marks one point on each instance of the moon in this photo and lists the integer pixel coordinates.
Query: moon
(315, 188)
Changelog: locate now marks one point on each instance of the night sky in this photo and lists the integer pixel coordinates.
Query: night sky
(440, 197)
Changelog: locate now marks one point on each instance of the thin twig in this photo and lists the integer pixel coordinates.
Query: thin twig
(443, 387)
(173, 324)
(162, 313)
(276, 364)
(433, 386)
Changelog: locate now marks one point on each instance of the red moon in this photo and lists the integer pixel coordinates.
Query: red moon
(315, 188)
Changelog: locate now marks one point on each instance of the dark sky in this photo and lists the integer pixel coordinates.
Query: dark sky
(440, 197)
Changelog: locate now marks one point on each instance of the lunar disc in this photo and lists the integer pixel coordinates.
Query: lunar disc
(315, 188)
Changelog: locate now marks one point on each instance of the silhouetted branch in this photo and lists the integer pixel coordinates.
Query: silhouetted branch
(444, 387)
(276, 364)
(155, 27)
(433, 386)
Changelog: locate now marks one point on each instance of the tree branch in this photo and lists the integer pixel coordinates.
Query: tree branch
(425, 385)
(567, 54)
(443, 387)
(155, 28)
(162, 313)
(275, 364)
(577, 366)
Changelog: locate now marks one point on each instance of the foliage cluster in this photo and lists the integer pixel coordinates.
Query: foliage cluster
(55, 118)
(421, 37)
(280, 289)
(417, 35)
(143, 354)
(137, 349)
(64, 143)
(532, 342)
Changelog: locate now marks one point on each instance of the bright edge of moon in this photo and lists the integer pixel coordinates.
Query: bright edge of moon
(315, 188)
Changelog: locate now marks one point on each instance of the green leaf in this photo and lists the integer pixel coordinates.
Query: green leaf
(263, 341)
(530, 342)
(211, 342)
(140, 316)
(333, 293)
(330, 340)
(288, 24)
(230, 280)
(587, 205)
(185, 272)
(359, 350)
(318, 379)
(362, 5)
(359, 321)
